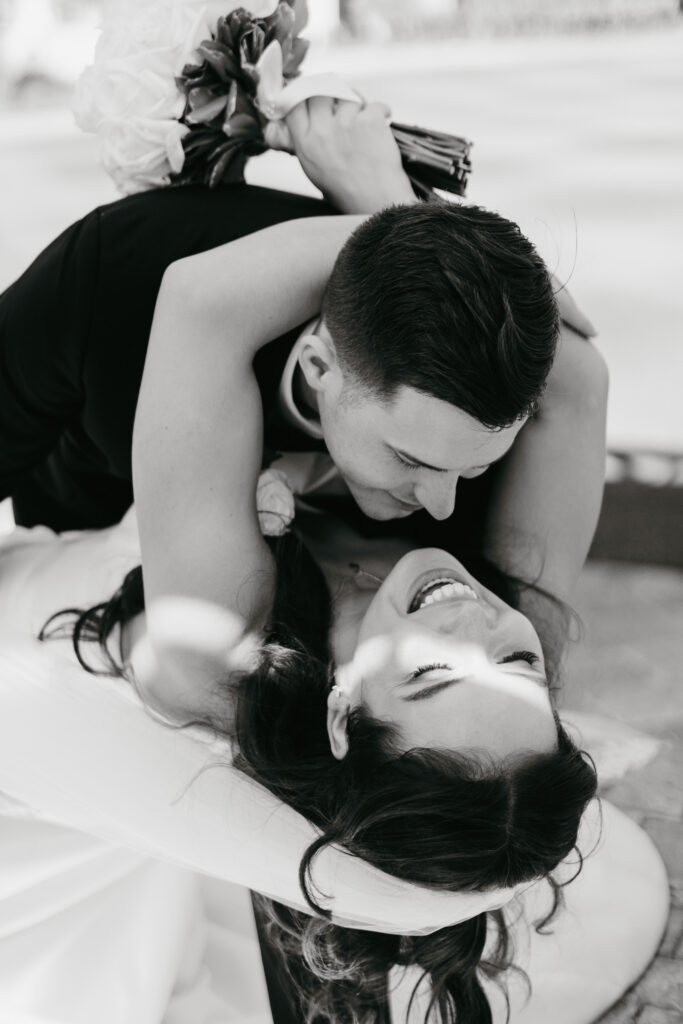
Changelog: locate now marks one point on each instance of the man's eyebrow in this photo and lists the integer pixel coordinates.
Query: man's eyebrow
(439, 469)
(419, 462)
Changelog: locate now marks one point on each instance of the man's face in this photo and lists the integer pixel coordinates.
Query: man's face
(407, 453)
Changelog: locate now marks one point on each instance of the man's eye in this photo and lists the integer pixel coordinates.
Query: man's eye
(528, 656)
(404, 462)
(423, 669)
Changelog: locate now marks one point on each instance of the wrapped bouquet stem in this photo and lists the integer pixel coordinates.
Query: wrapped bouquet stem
(195, 109)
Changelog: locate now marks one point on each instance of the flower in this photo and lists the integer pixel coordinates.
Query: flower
(274, 503)
(133, 98)
(129, 96)
(221, 86)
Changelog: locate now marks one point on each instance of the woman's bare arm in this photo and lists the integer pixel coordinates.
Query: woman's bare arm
(197, 442)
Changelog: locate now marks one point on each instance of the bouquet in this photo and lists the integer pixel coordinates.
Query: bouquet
(182, 93)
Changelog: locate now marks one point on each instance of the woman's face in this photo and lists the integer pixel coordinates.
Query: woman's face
(448, 663)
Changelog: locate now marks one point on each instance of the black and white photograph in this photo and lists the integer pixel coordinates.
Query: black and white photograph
(341, 512)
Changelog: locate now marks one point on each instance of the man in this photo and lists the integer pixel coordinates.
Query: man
(74, 333)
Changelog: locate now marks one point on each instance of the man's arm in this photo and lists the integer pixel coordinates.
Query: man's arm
(547, 497)
(197, 441)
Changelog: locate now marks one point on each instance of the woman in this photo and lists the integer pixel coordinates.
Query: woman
(281, 720)
(502, 776)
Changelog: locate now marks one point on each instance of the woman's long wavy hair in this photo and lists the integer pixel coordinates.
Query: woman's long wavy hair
(443, 819)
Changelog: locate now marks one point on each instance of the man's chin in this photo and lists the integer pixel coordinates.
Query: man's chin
(383, 511)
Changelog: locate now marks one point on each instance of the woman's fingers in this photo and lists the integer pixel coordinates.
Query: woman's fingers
(376, 109)
(321, 112)
(349, 152)
(286, 135)
(278, 136)
(298, 119)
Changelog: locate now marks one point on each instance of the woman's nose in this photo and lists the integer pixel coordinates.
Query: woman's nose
(437, 494)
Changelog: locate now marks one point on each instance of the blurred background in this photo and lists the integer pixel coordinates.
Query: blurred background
(575, 109)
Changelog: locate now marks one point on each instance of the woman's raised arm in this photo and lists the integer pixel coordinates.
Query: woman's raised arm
(197, 442)
(83, 753)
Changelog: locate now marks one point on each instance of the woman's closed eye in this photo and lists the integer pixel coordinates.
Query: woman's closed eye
(440, 683)
(528, 656)
(435, 685)
(424, 669)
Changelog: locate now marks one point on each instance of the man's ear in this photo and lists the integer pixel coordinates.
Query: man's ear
(318, 360)
(338, 709)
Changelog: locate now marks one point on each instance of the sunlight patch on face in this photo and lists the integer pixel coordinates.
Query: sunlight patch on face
(395, 657)
(371, 657)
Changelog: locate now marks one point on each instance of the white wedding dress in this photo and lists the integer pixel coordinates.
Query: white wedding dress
(124, 859)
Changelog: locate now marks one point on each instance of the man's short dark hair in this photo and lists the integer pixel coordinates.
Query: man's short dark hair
(450, 300)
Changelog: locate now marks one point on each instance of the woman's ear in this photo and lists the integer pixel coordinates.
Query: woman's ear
(338, 710)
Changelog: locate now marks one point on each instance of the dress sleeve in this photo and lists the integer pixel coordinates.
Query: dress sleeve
(82, 752)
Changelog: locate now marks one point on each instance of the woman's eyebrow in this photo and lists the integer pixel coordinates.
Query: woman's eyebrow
(429, 691)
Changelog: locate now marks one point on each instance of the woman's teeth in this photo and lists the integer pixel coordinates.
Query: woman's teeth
(441, 590)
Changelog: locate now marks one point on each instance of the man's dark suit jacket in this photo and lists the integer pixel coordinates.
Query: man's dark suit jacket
(74, 330)
(73, 338)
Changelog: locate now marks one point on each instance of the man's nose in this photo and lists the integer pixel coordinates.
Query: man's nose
(437, 495)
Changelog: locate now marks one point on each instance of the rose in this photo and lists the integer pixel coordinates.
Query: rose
(274, 503)
(132, 96)
(134, 107)
(129, 96)
(141, 153)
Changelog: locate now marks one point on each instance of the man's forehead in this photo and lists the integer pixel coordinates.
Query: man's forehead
(440, 435)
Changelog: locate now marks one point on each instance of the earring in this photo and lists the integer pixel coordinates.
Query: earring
(363, 572)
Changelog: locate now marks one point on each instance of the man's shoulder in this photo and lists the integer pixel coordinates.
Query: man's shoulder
(193, 218)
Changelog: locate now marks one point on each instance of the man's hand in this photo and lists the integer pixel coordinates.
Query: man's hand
(347, 150)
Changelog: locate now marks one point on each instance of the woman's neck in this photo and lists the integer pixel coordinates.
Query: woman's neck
(337, 548)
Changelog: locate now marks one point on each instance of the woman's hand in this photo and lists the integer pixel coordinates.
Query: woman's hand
(185, 652)
(347, 150)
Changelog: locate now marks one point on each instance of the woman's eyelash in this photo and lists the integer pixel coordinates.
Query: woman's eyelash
(528, 656)
(423, 669)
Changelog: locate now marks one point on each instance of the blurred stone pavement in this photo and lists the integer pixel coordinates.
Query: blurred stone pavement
(628, 668)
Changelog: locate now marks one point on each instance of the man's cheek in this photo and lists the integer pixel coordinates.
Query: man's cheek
(359, 473)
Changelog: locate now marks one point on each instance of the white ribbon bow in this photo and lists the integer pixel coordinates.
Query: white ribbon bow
(276, 98)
